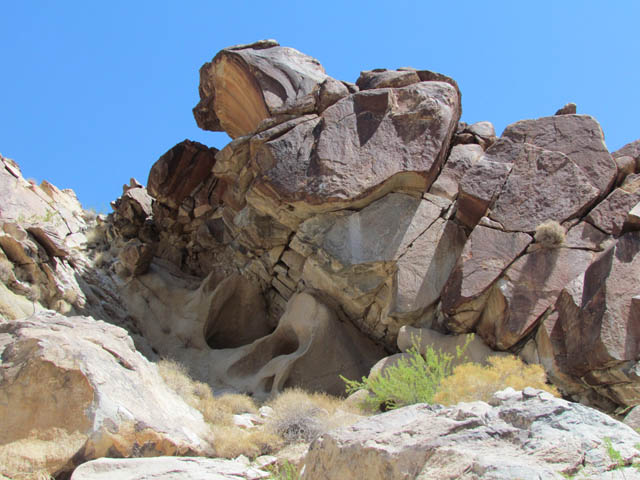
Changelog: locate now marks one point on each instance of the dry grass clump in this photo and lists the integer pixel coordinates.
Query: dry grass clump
(215, 410)
(471, 381)
(231, 441)
(301, 416)
(550, 234)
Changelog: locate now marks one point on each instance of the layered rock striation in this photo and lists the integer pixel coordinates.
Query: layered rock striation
(339, 214)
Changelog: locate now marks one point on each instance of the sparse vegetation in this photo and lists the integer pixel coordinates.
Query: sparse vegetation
(471, 381)
(550, 234)
(300, 416)
(415, 379)
(297, 416)
(286, 471)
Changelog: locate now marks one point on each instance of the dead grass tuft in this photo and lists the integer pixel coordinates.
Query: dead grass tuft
(550, 234)
(472, 381)
(196, 394)
(301, 416)
(231, 441)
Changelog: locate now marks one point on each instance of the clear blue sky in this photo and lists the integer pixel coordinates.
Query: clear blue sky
(92, 93)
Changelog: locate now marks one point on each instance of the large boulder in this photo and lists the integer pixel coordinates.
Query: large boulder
(179, 171)
(579, 137)
(486, 255)
(72, 386)
(527, 435)
(246, 84)
(360, 148)
(598, 323)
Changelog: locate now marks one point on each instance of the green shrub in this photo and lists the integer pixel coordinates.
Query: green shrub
(414, 379)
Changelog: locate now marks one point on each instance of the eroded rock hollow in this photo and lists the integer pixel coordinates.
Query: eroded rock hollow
(339, 214)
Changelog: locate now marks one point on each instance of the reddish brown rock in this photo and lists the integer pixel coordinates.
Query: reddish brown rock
(362, 147)
(568, 109)
(525, 291)
(244, 85)
(487, 253)
(598, 314)
(459, 161)
(611, 214)
(383, 78)
(577, 136)
(586, 236)
(176, 173)
(543, 185)
(629, 150)
(479, 186)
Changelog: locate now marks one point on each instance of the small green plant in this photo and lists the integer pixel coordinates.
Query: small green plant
(614, 454)
(413, 379)
(286, 471)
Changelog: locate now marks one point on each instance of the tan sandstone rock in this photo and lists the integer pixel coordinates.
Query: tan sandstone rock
(91, 377)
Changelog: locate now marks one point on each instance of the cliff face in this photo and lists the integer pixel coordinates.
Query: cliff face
(342, 219)
(338, 214)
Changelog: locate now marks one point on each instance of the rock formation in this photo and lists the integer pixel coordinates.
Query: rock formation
(526, 435)
(340, 219)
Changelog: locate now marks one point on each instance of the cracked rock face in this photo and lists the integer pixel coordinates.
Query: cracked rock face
(365, 209)
(528, 435)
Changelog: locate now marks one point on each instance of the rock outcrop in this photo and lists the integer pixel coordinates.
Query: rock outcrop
(528, 435)
(340, 219)
(375, 201)
(70, 391)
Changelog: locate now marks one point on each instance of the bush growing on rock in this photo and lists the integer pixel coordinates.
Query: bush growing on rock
(550, 234)
(472, 381)
(414, 379)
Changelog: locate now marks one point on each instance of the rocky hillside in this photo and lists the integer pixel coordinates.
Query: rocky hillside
(341, 219)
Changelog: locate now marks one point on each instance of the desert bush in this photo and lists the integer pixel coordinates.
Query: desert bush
(550, 234)
(414, 379)
(471, 381)
(299, 416)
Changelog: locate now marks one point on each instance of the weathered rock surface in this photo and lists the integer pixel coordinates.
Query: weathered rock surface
(179, 171)
(244, 85)
(526, 290)
(543, 185)
(594, 336)
(579, 137)
(611, 214)
(91, 377)
(363, 146)
(486, 255)
(167, 468)
(368, 207)
(526, 435)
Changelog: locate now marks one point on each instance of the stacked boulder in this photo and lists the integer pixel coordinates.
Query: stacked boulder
(374, 199)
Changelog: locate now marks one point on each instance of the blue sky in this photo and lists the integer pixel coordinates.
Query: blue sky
(92, 93)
